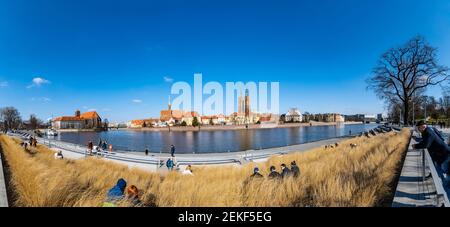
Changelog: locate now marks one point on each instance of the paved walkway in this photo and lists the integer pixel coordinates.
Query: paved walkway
(156, 162)
(412, 191)
(3, 197)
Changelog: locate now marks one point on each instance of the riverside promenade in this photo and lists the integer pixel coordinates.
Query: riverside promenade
(3, 196)
(413, 189)
(156, 161)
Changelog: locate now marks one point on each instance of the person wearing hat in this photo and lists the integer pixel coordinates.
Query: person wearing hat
(256, 173)
(438, 149)
(295, 170)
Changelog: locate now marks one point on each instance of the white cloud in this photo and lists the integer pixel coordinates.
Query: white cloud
(41, 99)
(106, 109)
(37, 82)
(90, 110)
(136, 101)
(4, 84)
(168, 79)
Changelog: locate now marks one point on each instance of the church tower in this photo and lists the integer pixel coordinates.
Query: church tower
(241, 104)
(247, 104)
(170, 105)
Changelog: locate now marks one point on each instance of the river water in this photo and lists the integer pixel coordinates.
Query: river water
(212, 141)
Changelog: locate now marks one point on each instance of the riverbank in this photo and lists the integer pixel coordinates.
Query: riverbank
(236, 127)
(76, 130)
(152, 161)
(339, 176)
(213, 141)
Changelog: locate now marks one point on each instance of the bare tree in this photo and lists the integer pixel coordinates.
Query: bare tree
(445, 104)
(394, 112)
(34, 122)
(11, 118)
(403, 72)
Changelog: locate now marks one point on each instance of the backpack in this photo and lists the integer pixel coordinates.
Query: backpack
(438, 133)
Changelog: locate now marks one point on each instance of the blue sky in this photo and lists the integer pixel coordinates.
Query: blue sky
(104, 54)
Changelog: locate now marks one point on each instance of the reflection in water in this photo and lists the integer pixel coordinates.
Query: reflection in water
(212, 141)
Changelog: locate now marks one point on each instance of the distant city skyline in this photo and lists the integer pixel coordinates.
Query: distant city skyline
(121, 59)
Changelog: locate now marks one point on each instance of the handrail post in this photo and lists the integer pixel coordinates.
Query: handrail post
(423, 165)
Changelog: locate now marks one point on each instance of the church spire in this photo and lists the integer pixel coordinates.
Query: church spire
(170, 104)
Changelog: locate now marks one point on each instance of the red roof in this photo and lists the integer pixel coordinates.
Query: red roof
(67, 118)
(89, 115)
(209, 117)
(165, 115)
(190, 114)
(177, 114)
(137, 122)
(83, 116)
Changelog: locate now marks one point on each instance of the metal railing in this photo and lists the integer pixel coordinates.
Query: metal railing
(144, 160)
(441, 191)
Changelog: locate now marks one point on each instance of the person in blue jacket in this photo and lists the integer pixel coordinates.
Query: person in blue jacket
(438, 149)
(116, 193)
(170, 164)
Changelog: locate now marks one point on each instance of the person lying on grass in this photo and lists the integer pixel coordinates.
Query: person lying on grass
(115, 194)
(133, 195)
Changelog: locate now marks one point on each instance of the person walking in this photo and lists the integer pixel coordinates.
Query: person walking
(169, 164)
(104, 145)
(172, 150)
(146, 151)
(90, 147)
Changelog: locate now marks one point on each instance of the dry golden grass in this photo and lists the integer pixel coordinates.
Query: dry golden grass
(342, 176)
(40, 180)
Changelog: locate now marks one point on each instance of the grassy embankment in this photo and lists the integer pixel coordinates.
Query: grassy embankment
(342, 176)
